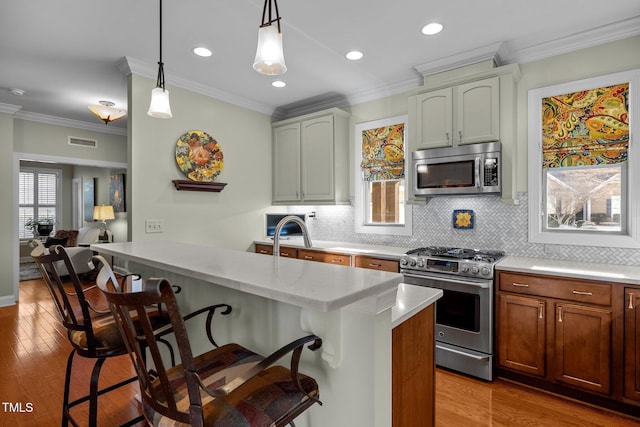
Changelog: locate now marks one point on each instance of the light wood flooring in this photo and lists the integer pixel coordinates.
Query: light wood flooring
(35, 349)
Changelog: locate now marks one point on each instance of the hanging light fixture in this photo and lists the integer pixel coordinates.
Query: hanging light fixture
(269, 55)
(160, 107)
(106, 112)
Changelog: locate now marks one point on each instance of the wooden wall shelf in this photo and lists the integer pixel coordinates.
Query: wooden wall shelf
(212, 187)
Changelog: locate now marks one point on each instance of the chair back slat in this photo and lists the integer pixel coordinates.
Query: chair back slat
(67, 293)
(157, 392)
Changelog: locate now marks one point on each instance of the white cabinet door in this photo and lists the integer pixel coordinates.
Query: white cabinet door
(317, 142)
(286, 163)
(435, 113)
(477, 115)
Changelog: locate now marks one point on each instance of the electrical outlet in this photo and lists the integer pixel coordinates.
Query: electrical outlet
(154, 226)
(553, 249)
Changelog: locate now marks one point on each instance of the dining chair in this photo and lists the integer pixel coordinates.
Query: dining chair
(228, 386)
(90, 326)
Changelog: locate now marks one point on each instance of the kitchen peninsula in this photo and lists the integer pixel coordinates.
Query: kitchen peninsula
(276, 300)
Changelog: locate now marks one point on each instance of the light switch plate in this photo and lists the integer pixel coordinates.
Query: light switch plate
(154, 226)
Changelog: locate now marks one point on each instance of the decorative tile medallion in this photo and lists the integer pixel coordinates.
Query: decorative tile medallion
(463, 219)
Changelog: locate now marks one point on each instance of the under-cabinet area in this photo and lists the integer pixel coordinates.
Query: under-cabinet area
(576, 337)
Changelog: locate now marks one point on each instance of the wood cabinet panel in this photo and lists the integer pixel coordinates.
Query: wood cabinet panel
(522, 334)
(553, 287)
(632, 344)
(321, 256)
(582, 348)
(285, 251)
(264, 249)
(373, 263)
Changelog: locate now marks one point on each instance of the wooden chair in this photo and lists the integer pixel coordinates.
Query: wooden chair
(229, 386)
(91, 329)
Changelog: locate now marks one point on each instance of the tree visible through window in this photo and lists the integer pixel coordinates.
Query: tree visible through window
(37, 197)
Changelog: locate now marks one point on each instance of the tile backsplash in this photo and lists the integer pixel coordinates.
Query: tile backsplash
(497, 226)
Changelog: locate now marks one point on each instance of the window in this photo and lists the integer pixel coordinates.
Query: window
(38, 192)
(380, 177)
(581, 162)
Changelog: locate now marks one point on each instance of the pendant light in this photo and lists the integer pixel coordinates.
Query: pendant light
(269, 54)
(160, 107)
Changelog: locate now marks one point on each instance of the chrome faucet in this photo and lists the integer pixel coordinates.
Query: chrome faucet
(283, 221)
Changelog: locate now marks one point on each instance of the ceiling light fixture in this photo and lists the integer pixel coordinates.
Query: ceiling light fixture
(354, 55)
(269, 54)
(431, 29)
(160, 107)
(202, 51)
(278, 83)
(106, 112)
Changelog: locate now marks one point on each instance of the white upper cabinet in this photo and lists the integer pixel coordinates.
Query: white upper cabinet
(463, 114)
(310, 159)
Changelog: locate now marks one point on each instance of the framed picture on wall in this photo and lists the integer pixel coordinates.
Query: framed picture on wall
(88, 197)
(116, 192)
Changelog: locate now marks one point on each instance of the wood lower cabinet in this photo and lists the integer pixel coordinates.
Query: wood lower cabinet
(322, 256)
(557, 330)
(285, 251)
(364, 261)
(632, 344)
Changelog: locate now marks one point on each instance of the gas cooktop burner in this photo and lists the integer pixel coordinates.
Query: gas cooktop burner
(459, 261)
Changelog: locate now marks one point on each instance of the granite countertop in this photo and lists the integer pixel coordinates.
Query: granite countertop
(318, 286)
(378, 251)
(581, 270)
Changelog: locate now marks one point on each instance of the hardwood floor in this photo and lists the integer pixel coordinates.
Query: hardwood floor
(35, 350)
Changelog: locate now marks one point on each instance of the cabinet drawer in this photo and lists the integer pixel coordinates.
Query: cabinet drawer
(328, 257)
(285, 251)
(556, 287)
(264, 249)
(376, 263)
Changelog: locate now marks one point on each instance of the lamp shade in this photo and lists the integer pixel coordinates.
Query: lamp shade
(107, 113)
(160, 107)
(103, 213)
(269, 54)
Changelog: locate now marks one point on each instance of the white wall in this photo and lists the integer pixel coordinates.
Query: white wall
(8, 268)
(232, 218)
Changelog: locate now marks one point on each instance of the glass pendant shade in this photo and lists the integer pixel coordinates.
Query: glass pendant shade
(269, 55)
(159, 107)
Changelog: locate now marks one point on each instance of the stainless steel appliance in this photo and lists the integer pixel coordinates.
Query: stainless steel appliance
(464, 314)
(463, 170)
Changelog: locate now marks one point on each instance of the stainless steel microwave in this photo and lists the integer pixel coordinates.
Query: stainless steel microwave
(462, 170)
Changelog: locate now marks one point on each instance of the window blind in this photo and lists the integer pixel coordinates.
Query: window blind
(37, 198)
(586, 128)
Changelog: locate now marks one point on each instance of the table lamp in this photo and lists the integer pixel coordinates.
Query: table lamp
(103, 213)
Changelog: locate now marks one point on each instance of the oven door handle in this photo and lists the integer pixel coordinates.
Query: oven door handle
(481, 284)
(462, 353)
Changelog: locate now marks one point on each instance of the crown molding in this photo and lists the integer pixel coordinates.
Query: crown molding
(128, 65)
(59, 121)
(458, 60)
(9, 108)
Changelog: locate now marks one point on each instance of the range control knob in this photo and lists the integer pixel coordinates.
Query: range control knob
(420, 263)
(403, 261)
(485, 271)
(474, 270)
(464, 268)
(412, 262)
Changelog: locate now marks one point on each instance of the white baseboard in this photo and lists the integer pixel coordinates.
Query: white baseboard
(7, 301)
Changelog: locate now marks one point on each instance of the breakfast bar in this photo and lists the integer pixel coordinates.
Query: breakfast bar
(276, 300)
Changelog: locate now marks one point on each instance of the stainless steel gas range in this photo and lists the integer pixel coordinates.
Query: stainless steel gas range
(464, 314)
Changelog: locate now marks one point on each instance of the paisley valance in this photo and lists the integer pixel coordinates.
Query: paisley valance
(383, 153)
(589, 127)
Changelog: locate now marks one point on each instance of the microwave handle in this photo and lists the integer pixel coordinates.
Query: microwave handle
(478, 172)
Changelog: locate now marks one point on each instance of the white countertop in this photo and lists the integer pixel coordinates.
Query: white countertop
(390, 252)
(576, 269)
(318, 286)
(410, 300)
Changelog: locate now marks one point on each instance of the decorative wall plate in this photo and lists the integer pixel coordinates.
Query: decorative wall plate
(463, 219)
(199, 156)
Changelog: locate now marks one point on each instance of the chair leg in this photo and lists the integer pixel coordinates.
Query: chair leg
(93, 392)
(67, 384)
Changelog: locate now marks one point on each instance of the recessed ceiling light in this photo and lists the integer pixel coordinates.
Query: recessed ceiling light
(431, 29)
(278, 83)
(202, 51)
(354, 55)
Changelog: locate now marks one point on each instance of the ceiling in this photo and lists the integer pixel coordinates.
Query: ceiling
(68, 54)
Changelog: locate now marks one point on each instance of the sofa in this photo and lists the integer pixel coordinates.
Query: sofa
(76, 243)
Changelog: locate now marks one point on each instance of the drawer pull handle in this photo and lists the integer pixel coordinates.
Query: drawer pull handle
(541, 311)
(520, 285)
(583, 293)
(308, 257)
(630, 301)
(263, 251)
(375, 265)
(559, 314)
(336, 260)
(285, 254)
